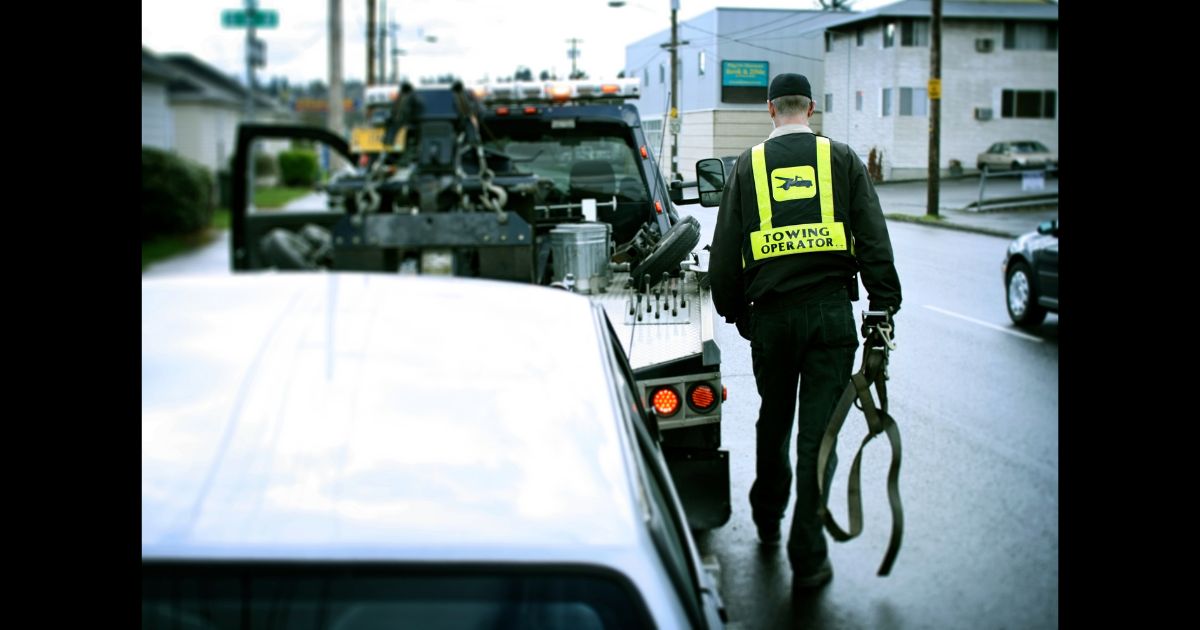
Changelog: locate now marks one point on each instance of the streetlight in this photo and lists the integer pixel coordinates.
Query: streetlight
(673, 119)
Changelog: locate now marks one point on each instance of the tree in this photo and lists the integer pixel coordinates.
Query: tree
(621, 74)
(547, 76)
(316, 89)
(523, 73)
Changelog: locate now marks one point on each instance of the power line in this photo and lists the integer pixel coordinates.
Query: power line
(746, 43)
(802, 17)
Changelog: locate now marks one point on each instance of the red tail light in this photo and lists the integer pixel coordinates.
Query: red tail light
(501, 111)
(530, 110)
(701, 397)
(665, 401)
(658, 206)
(644, 154)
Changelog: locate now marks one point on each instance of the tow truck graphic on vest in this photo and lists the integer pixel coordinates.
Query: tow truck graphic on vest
(794, 181)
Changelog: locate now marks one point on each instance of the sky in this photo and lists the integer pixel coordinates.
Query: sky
(476, 39)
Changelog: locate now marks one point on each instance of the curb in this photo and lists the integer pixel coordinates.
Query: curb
(908, 218)
(1019, 202)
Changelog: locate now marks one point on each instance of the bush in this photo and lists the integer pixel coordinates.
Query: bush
(176, 194)
(298, 167)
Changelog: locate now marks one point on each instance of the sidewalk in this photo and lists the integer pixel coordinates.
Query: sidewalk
(1010, 215)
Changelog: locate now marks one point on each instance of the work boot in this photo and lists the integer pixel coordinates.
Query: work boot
(811, 580)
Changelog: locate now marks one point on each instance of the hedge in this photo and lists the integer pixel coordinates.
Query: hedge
(298, 167)
(176, 194)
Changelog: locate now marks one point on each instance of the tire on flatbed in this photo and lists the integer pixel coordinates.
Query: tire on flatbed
(674, 246)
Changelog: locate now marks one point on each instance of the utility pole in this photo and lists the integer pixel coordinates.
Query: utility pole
(674, 90)
(370, 42)
(393, 27)
(573, 54)
(674, 114)
(251, 8)
(336, 119)
(382, 41)
(935, 109)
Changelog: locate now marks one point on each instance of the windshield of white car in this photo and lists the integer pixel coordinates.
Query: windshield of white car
(361, 597)
(1030, 147)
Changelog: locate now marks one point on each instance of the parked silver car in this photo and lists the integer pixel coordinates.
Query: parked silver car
(1015, 155)
(366, 450)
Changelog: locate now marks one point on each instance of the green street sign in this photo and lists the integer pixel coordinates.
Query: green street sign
(243, 18)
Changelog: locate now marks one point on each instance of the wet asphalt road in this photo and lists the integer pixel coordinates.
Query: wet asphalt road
(976, 400)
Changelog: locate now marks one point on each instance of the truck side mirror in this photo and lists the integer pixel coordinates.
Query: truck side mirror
(710, 177)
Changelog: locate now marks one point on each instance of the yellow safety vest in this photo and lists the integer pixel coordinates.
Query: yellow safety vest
(788, 183)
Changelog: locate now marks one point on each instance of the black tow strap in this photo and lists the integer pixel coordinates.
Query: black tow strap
(874, 371)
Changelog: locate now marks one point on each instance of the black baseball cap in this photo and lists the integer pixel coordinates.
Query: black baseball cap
(789, 84)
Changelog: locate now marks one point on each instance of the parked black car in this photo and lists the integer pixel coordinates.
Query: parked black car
(1031, 275)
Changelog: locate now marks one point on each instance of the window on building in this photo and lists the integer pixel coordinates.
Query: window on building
(645, 76)
(914, 33)
(889, 34)
(828, 41)
(887, 101)
(828, 102)
(858, 101)
(1030, 36)
(700, 63)
(662, 74)
(1028, 104)
(654, 135)
(858, 37)
(913, 102)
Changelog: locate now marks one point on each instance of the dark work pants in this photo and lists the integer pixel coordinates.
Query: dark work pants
(813, 343)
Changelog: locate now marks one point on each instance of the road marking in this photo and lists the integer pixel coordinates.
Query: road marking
(983, 323)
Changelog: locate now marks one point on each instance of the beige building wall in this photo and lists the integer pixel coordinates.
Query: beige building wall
(717, 133)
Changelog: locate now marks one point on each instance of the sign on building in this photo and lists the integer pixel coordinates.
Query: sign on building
(319, 105)
(744, 81)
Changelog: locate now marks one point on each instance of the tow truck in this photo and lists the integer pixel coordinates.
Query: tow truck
(550, 183)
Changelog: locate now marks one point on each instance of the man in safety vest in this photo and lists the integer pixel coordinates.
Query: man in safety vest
(798, 219)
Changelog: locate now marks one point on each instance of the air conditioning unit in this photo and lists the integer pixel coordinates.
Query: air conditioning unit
(984, 45)
(983, 113)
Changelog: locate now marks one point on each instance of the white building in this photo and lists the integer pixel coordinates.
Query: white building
(158, 125)
(869, 72)
(724, 71)
(999, 81)
(202, 108)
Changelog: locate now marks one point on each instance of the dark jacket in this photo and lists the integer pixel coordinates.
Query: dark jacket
(797, 278)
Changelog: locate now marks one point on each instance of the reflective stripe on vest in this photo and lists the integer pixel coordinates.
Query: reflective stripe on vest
(768, 241)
